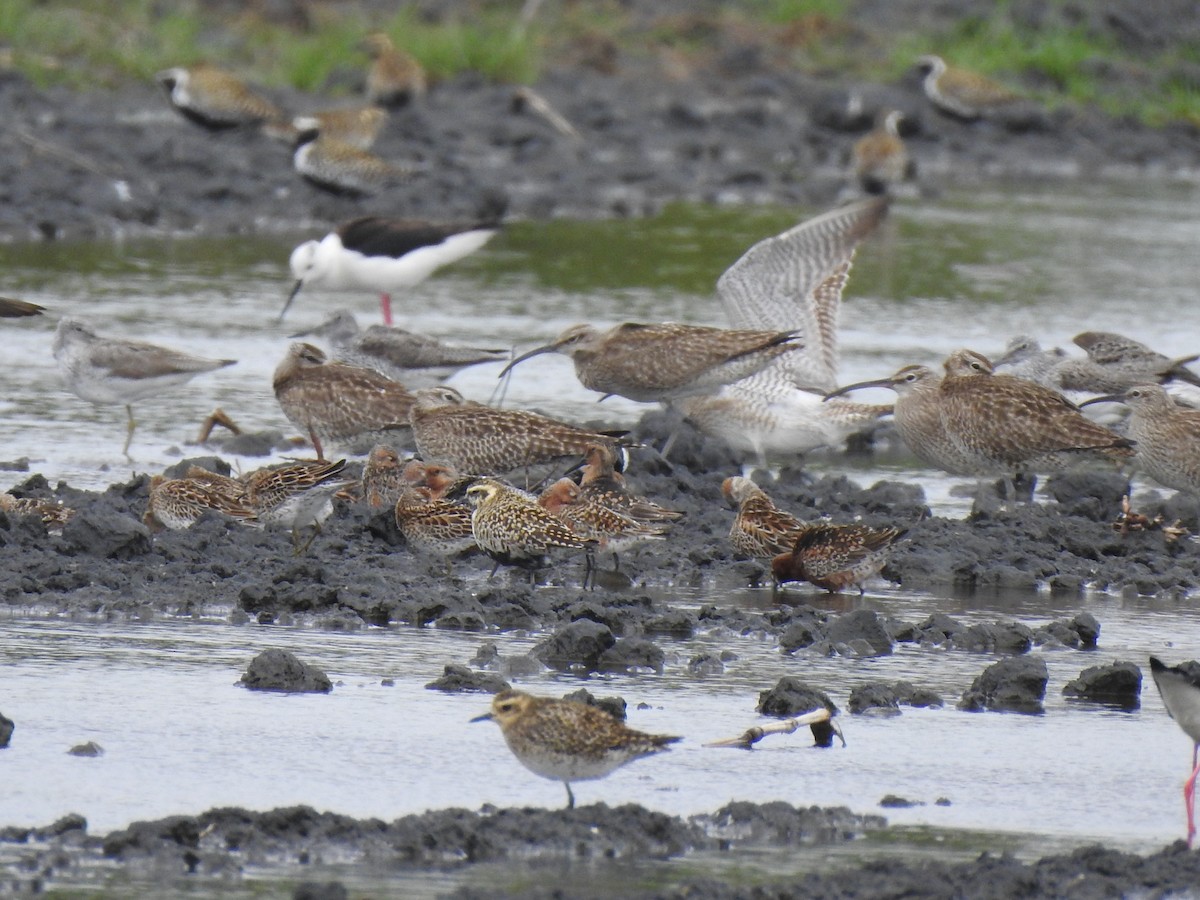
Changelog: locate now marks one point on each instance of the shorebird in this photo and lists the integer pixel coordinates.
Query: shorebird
(178, 503)
(428, 519)
(336, 402)
(110, 370)
(1179, 687)
(834, 557)
(1115, 363)
(1166, 436)
(214, 98)
(53, 513)
(600, 482)
(513, 530)
(480, 440)
(343, 169)
(760, 529)
(386, 255)
(881, 160)
(415, 359)
(792, 281)
(15, 309)
(592, 520)
(357, 126)
(960, 93)
(382, 477)
(566, 741)
(295, 495)
(662, 362)
(394, 77)
(1024, 357)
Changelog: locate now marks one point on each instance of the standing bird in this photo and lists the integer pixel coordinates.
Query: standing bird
(335, 402)
(602, 483)
(481, 440)
(429, 520)
(394, 78)
(960, 93)
(415, 359)
(760, 529)
(109, 370)
(342, 168)
(565, 740)
(1116, 363)
(881, 160)
(386, 255)
(513, 530)
(295, 495)
(382, 477)
(663, 362)
(357, 126)
(834, 557)
(214, 98)
(593, 521)
(1179, 687)
(1166, 436)
(178, 503)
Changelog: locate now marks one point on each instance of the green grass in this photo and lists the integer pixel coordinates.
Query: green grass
(101, 42)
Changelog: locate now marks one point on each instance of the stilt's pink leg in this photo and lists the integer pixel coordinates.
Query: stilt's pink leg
(385, 306)
(1189, 795)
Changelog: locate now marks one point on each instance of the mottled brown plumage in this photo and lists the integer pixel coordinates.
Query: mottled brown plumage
(881, 160)
(357, 126)
(382, 477)
(512, 529)
(343, 169)
(759, 529)
(394, 77)
(601, 483)
(566, 741)
(592, 520)
(962, 93)
(335, 402)
(1116, 363)
(214, 98)
(178, 503)
(480, 440)
(834, 557)
(53, 513)
(662, 362)
(432, 524)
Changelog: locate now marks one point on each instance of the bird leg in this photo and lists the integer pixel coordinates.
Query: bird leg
(570, 796)
(129, 431)
(385, 307)
(211, 421)
(1189, 795)
(316, 442)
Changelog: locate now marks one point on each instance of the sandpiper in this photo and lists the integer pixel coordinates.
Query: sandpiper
(480, 440)
(793, 280)
(15, 309)
(592, 520)
(513, 530)
(415, 359)
(601, 483)
(386, 255)
(760, 529)
(961, 93)
(881, 160)
(178, 503)
(214, 98)
(432, 523)
(336, 402)
(566, 741)
(110, 370)
(394, 77)
(382, 477)
(53, 513)
(1166, 436)
(1024, 357)
(343, 169)
(834, 557)
(1179, 687)
(662, 362)
(295, 495)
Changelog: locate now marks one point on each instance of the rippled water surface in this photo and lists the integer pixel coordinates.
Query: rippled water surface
(960, 270)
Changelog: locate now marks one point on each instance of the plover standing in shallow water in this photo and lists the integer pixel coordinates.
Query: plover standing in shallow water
(110, 370)
(386, 255)
(566, 741)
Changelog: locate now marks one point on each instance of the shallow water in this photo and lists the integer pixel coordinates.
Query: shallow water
(160, 697)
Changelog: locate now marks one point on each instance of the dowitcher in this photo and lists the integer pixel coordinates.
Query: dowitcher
(834, 557)
(480, 440)
(881, 160)
(344, 169)
(214, 98)
(335, 402)
(1179, 687)
(110, 370)
(415, 359)
(792, 281)
(662, 362)
(566, 741)
(394, 77)
(962, 93)
(388, 255)
(1166, 436)
(760, 529)
(513, 530)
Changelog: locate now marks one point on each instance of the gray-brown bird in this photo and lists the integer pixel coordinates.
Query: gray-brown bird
(881, 160)
(663, 362)
(295, 495)
(513, 530)
(834, 557)
(601, 483)
(394, 77)
(334, 402)
(382, 477)
(214, 98)
(565, 740)
(178, 503)
(479, 440)
(1166, 436)
(53, 513)
(592, 520)
(760, 529)
(962, 93)
(357, 126)
(1116, 363)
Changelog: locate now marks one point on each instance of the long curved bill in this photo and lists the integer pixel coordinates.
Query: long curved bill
(1107, 398)
(536, 351)
(292, 296)
(878, 382)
